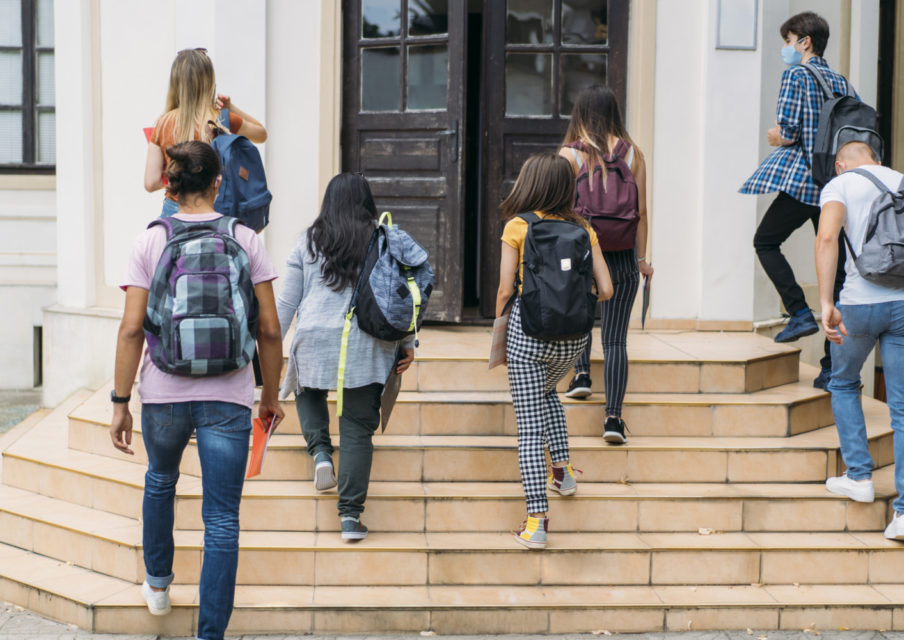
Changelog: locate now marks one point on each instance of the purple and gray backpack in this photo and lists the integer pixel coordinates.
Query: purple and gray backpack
(202, 313)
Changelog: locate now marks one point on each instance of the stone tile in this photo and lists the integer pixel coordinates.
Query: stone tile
(886, 566)
(862, 516)
(815, 567)
(836, 617)
(602, 567)
(578, 515)
(497, 621)
(776, 466)
(480, 515)
(674, 466)
(613, 620)
(750, 420)
(462, 419)
(664, 378)
(722, 378)
(397, 466)
(699, 619)
(370, 622)
(689, 515)
(372, 567)
(472, 465)
(794, 515)
(489, 568)
(705, 567)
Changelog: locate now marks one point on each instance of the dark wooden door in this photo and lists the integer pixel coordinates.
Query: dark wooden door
(403, 124)
(540, 54)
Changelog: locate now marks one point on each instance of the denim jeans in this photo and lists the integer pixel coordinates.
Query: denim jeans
(222, 430)
(170, 208)
(866, 324)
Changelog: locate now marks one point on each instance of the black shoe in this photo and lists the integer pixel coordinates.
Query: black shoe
(822, 380)
(798, 327)
(579, 387)
(614, 432)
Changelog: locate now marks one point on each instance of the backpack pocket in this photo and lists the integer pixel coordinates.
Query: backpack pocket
(204, 338)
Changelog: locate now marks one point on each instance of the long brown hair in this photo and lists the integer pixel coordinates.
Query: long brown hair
(546, 184)
(594, 118)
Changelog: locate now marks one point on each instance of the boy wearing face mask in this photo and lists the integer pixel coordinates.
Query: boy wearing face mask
(787, 170)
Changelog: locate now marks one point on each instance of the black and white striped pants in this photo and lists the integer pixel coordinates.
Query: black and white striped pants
(616, 313)
(534, 369)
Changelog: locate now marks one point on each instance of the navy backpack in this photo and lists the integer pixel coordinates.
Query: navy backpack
(243, 192)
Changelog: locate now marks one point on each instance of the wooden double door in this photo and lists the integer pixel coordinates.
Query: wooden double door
(443, 100)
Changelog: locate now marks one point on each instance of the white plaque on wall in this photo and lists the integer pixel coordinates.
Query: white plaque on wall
(736, 24)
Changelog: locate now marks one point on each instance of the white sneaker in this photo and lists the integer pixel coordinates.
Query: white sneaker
(324, 476)
(856, 490)
(158, 601)
(895, 528)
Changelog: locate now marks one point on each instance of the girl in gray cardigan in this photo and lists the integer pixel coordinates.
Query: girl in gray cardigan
(321, 273)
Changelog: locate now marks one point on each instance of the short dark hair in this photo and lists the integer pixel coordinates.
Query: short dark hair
(193, 168)
(808, 24)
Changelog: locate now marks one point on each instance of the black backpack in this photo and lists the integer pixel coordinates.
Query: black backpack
(842, 119)
(557, 299)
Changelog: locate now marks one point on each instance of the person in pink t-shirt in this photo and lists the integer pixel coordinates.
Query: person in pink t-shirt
(216, 409)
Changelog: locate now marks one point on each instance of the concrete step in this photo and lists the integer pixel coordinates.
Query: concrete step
(456, 359)
(808, 457)
(111, 544)
(104, 604)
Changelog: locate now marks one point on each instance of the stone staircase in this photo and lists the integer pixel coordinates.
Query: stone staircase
(713, 516)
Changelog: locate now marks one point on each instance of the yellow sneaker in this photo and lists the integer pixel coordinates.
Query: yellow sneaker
(532, 533)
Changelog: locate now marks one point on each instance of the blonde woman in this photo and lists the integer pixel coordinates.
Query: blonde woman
(193, 111)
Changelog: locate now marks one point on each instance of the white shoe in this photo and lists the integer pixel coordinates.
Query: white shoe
(158, 601)
(856, 490)
(895, 528)
(324, 477)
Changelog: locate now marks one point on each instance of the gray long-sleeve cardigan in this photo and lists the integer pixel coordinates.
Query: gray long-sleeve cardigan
(314, 355)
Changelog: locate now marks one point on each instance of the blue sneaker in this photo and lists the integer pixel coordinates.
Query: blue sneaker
(799, 325)
(352, 529)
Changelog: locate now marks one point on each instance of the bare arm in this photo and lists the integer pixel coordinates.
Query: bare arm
(251, 128)
(508, 266)
(604, 289)
(269, 348)
(129, 343)
(153, 168)
(831, 219)
(643, 225)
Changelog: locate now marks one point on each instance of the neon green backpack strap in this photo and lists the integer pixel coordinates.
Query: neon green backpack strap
(386, 216)
(343, 354)
(416, 300)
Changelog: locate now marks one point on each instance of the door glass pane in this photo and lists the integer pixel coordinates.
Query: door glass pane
(46, 151)
(44, 30)
(11, 23)
(10, 136)
(528, 84)
(578, 71)
(585, 22)
(428, 73)
(380, 70)
(528, 21)
(10, 78)
(428, 17)
(381, 18)
(45, 78)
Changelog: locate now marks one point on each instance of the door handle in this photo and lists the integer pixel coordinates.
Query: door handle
(453, 141)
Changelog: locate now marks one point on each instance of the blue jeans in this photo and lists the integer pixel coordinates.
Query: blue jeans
(222, 430)
(170, 208)
(866, 324)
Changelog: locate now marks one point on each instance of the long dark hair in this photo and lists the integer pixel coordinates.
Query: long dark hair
(341, 232)
(545, 184)
(193, 169)
(594, 118)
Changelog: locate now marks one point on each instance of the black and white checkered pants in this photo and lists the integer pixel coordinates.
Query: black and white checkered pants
(534, 369)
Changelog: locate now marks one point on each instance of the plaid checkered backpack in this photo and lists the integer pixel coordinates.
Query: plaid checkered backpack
(202, 313)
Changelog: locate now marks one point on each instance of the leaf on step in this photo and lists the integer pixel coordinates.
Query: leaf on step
(704, 531)
(811, 629)
(756, 585)
(622, 480)
(749, 631)
(762, 638)
(689, 624)
(842, 628)
(601, 632)
(428, 633)
(796, 585)
(693, 588)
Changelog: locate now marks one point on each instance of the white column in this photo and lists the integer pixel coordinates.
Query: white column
(75, 154)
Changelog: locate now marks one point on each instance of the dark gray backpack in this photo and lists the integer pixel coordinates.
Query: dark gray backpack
(881, 258)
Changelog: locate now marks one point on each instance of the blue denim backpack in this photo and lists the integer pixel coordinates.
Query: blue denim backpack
(202, 314)
(243, 192)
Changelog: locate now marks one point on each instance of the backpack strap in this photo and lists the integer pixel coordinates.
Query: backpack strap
(820, 79)
(577, 157)
(629, 159)
(529, 217)
(226, 225)
(879, 184)
(173, 226)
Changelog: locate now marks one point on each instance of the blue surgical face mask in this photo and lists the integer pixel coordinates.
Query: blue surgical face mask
(791, 56)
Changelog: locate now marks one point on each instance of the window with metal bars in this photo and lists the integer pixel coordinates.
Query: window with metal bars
(27, 94)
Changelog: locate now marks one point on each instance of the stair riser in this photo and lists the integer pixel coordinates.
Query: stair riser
(586, 419)
(353, 567)
(490, 514)
(649, 377)
(460, 464)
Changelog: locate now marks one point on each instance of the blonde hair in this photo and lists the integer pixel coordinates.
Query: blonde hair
(192, 96)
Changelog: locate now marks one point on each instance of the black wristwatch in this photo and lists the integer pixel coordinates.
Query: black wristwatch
(119, 399)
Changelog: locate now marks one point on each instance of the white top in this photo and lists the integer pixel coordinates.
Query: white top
(857, 193)
(629, 159)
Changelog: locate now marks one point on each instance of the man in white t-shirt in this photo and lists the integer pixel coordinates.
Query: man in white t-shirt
(866, 313)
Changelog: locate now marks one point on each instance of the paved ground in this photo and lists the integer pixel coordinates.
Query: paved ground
(16, 624)
(16, 405)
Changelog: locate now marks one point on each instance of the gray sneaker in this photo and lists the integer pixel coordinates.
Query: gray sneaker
(352, 529)
(324, 477)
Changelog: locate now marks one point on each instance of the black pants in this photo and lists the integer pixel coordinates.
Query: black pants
(783, 217)
(360, 419)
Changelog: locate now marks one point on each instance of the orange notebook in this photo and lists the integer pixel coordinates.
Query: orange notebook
(260, 439)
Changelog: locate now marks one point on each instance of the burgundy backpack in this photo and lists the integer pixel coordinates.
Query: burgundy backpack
(611, 208)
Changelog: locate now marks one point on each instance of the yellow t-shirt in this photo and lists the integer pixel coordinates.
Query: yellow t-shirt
(516, 230)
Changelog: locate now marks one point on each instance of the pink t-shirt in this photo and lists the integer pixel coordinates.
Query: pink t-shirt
(157, 387)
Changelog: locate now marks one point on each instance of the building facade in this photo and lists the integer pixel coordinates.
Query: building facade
(437, 103)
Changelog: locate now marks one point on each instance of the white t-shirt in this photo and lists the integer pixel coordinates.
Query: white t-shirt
(857, 194)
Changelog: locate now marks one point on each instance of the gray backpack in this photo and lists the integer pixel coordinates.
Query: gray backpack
(881, 258)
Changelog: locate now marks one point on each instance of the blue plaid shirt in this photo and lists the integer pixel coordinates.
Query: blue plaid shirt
(797, 114)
